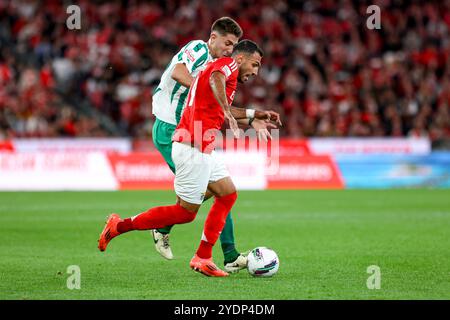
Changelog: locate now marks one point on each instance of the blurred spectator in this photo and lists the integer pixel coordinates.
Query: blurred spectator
(323, 69)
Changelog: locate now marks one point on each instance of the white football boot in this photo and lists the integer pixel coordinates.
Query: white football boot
(236, 265)
(162, 244)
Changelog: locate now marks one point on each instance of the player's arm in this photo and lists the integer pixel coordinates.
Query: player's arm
(257, 123)
(190, 57)
(217, 83)
(241, 113)
(261, 127)
(181, 75)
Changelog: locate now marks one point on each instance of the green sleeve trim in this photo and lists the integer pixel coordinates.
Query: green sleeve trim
(200, 61)
(156, 90)
(174, 91)
(199, 46)
(180, 105)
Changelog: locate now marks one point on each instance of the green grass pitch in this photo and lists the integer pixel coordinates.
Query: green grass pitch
(325, 240)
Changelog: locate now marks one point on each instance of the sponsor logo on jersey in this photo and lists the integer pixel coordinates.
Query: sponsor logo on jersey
(189, 55)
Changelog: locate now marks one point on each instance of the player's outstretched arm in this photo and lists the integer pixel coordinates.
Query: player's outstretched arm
(217, 83)
(241, 113)
(269, 115)
(181, 75)
(261, 127)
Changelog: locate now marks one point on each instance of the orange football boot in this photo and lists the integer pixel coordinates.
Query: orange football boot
(109, 232)
(206, 267)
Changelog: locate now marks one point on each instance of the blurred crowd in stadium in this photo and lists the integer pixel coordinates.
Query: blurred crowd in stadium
(323, 69)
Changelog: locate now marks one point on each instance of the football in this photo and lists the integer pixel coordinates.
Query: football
(262, 262)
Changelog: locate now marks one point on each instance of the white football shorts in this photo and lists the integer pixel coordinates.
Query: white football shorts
(194, 170)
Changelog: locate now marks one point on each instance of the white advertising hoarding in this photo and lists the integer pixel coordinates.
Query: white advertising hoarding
(247, 169)
(72, 145)
(56, 171)
(336, 146)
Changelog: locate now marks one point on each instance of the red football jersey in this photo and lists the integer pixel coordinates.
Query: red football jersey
(203, 116)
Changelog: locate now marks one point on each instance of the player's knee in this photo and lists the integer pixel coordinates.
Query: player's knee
(233, 196)
(184, 215)
(189, 211)
(229, 199)
(192, 207)
(190, 216)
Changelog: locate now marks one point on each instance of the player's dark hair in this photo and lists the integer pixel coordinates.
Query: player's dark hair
(227, 25)
(247, 46)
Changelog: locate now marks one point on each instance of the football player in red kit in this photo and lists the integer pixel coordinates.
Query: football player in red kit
(197, 165)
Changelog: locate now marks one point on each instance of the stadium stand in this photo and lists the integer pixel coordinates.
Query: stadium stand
(323, 70)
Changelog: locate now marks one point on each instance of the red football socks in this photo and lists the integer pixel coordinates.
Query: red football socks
(156, 218)
(215, 221)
